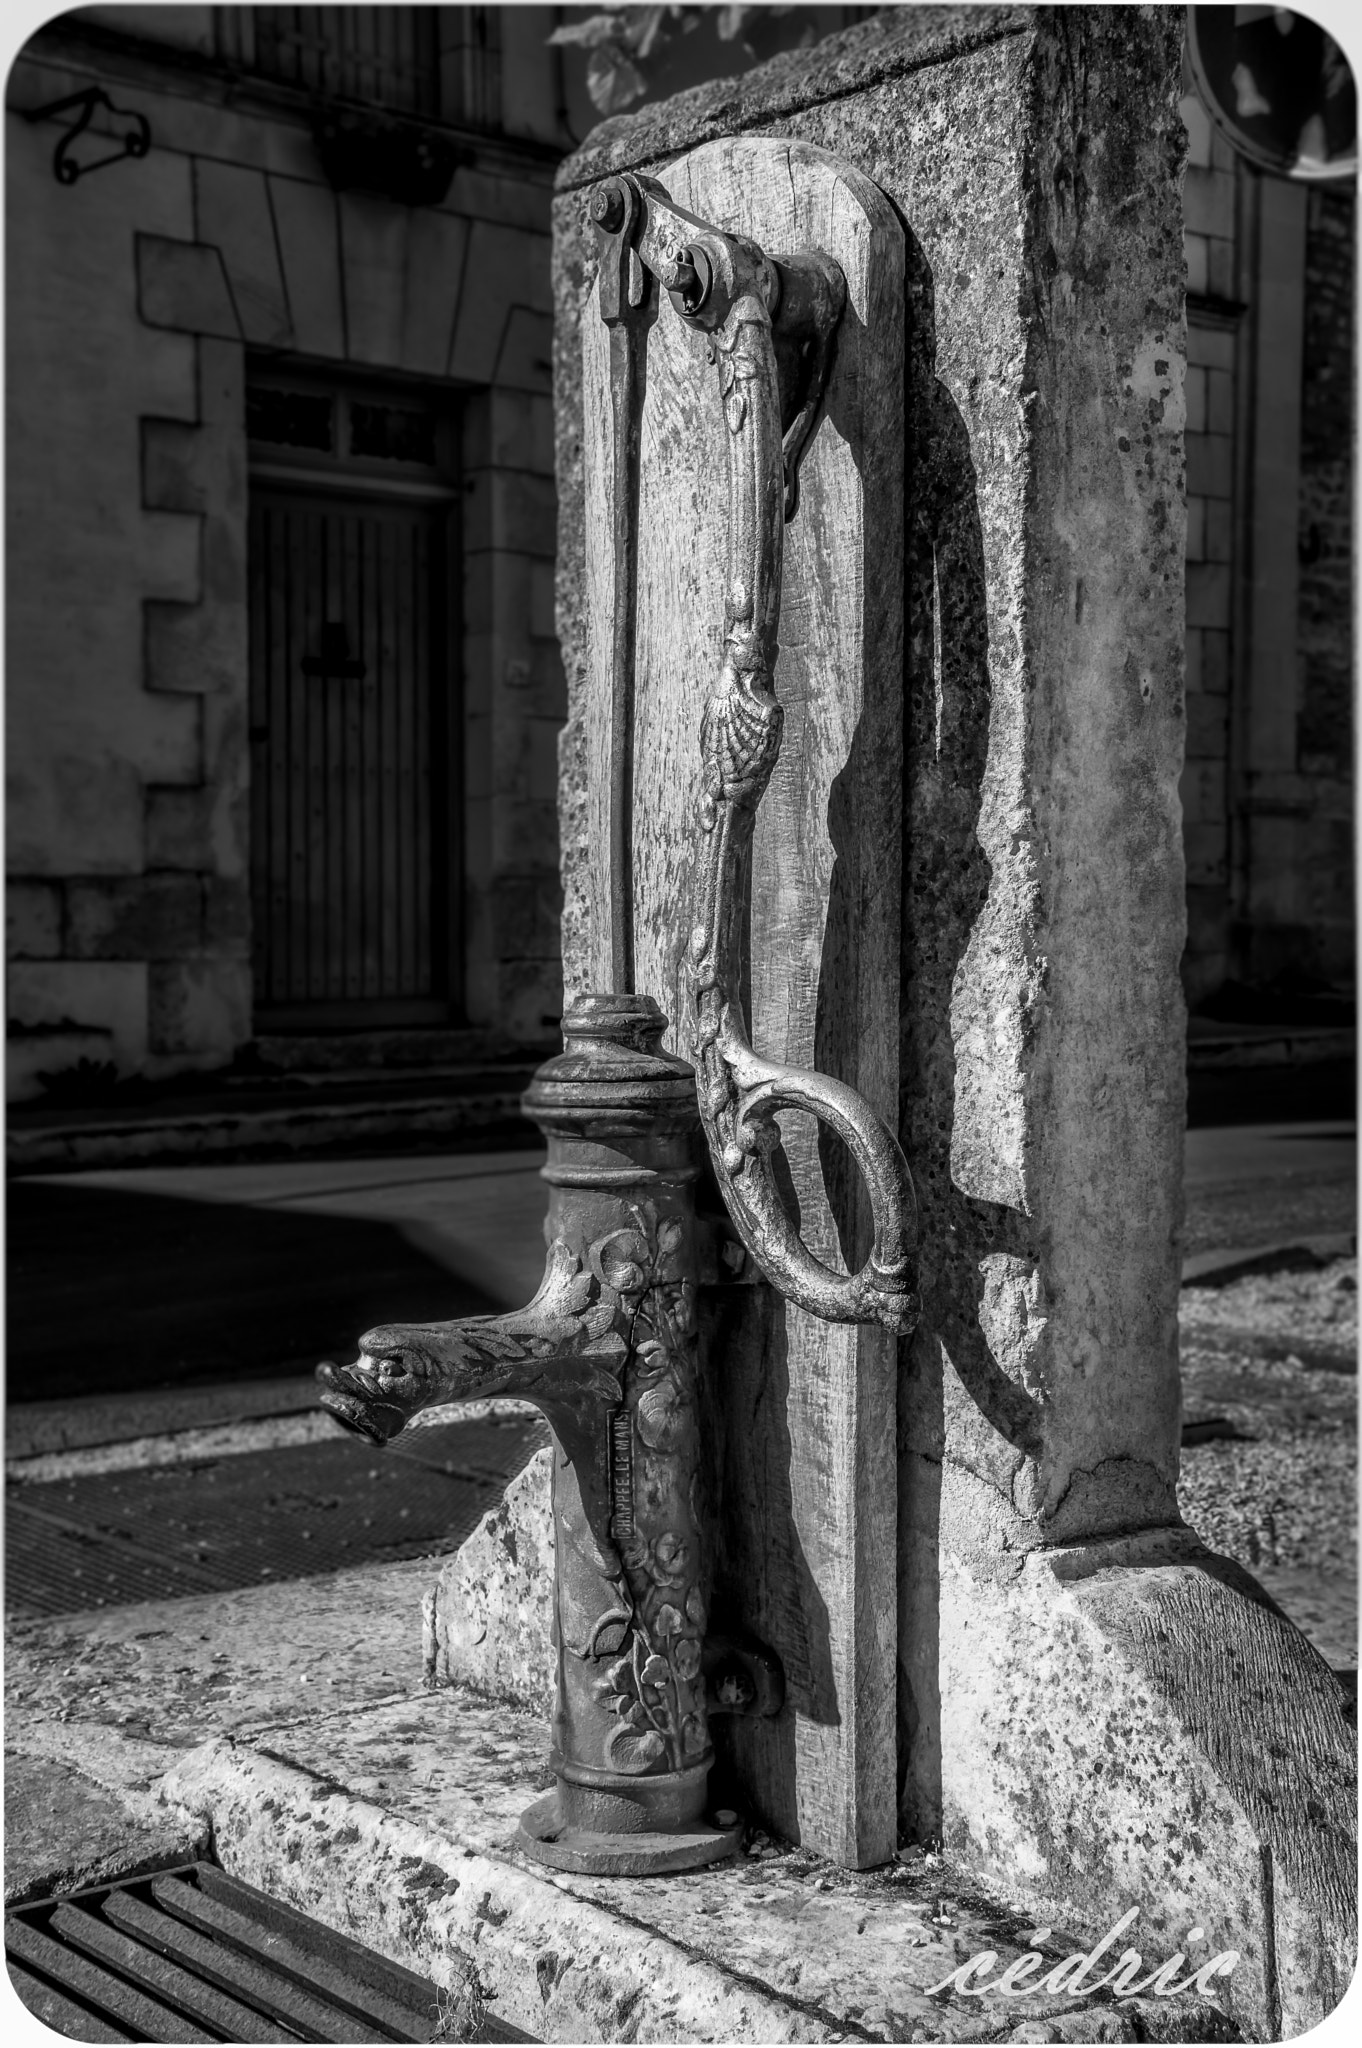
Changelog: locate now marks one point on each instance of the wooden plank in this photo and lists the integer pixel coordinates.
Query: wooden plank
(807, 1476)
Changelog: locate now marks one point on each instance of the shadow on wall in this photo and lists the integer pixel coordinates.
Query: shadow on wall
(111, 1291)
(946, 883)
(764, 1584)
(948, 1362)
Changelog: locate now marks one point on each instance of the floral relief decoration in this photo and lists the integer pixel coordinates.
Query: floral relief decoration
(653, 1632)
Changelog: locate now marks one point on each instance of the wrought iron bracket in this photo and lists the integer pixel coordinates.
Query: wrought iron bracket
(67, 168)
(771, 324)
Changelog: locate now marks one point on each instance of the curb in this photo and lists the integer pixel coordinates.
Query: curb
(280, 1133)
(1213, 1268)
(551, 1964)
(1303, 1045)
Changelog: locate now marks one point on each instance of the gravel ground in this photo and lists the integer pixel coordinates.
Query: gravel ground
(1308, 1315)
(1269, 1462)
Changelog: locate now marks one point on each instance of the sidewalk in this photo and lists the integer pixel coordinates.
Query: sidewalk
(300, 1097)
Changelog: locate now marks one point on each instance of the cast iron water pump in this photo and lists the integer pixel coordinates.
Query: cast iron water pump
(607, 1348)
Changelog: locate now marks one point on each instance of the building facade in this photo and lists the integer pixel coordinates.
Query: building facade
(1267, 790)
(283, 684)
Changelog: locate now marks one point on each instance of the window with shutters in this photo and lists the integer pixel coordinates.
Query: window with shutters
(437, 63)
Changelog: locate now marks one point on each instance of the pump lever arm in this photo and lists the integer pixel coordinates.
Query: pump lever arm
(759, 314)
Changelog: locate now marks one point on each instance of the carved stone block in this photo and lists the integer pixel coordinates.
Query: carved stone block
(488, 1619)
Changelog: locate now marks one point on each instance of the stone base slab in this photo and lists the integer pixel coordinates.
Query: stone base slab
(488, 1618)
(1135, 1723)
(293, 1723)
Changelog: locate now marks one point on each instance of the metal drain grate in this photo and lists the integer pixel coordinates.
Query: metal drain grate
(165, 1531)
(195, 1955)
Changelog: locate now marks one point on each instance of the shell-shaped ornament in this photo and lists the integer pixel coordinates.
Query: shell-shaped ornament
(739, 742)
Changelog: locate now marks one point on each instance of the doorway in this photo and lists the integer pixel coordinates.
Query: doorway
(356, 833)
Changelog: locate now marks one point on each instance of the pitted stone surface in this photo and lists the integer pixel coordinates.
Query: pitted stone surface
(488, 1618)
(63, 1831)
(387, 1811)
(423, 1796)
(167, 1674)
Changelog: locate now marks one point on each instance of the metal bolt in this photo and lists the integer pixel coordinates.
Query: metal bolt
(607, 207)
(679, 275)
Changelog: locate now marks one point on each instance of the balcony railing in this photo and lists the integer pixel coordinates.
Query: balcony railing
(439, 63)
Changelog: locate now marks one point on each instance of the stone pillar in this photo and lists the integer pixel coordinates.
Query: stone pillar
(1094, 1713)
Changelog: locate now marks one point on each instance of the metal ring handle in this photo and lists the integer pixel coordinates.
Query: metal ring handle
(881, 1291)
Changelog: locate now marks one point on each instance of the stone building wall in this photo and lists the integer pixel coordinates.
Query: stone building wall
(1325, 601)
(137, 299)
(1266, 789)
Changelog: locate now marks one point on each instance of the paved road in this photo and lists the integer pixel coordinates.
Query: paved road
(144, 1277)
(164, 1321)
(1253, 1184)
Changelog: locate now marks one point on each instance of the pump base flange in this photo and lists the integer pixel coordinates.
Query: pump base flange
(541, 1834)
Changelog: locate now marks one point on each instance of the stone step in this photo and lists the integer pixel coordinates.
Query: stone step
(295, 1721)
(365, 1051)
(239, 1116)
(1212, 1046)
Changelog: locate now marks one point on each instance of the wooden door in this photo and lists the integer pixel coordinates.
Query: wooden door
(354, 847)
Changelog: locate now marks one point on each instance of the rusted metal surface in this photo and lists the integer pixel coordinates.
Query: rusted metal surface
(192, 1954)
